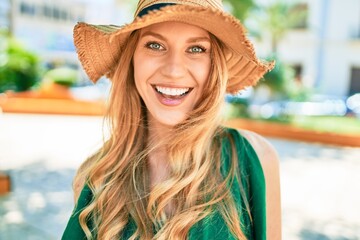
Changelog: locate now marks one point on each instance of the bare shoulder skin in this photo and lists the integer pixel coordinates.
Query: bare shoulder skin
(270, 163)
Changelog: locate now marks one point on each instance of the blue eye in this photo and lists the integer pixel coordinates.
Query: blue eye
(154, 46)
(197, 49)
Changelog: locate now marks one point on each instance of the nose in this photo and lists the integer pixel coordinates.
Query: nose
(175, 65)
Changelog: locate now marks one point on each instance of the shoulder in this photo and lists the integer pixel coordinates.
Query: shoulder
(269, 161)
(265, 151)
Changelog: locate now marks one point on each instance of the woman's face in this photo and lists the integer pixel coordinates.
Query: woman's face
(171, 66)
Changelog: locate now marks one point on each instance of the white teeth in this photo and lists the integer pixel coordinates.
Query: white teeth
(172, 91)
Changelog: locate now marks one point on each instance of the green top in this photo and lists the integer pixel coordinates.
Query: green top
(213, 226)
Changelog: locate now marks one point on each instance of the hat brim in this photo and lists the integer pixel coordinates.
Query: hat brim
(100, 46)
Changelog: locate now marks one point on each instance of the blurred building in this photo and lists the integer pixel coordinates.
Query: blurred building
(4, 14)
(325, 49)
(46, 26)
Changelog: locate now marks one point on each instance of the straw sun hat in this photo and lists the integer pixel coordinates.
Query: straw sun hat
(100, 46)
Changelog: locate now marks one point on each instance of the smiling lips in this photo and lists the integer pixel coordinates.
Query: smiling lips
(170, 96)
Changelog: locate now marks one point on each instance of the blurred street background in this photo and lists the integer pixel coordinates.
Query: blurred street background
(50, 113)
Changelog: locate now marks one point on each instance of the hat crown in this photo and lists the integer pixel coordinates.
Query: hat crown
(203, 3)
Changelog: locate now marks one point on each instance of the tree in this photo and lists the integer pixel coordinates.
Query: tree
(240, 8)
(19, 68)
(277, 19)
(274, 21)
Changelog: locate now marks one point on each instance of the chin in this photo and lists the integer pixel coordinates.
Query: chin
(169, 121)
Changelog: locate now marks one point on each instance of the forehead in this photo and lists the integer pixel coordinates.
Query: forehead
(175, 28)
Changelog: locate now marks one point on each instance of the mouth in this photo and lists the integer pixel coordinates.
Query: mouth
(172, 92)
(171, 95)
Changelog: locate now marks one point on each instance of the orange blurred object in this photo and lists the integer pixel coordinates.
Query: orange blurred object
(5, 184)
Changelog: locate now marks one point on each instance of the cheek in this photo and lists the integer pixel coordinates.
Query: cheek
(143, 69)
(139, 71)
(203, 72)
(135, 65)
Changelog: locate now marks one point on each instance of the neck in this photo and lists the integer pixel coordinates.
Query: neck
(158, 133)
(158, 157)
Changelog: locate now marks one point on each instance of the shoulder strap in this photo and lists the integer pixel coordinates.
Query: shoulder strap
(251, 170)
(73, 229)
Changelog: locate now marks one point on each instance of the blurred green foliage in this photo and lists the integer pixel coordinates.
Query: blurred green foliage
(278, 78)
(237, 107)
(336, 124)
(276, 19)
(282, 83)
(63, 75)
(19, 68)
(240, 9)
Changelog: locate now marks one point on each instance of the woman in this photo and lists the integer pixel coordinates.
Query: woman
(169, 169)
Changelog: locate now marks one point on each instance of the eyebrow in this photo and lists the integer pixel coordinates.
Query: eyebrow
(190, 40)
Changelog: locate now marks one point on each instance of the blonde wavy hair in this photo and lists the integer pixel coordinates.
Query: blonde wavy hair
(118, 173)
